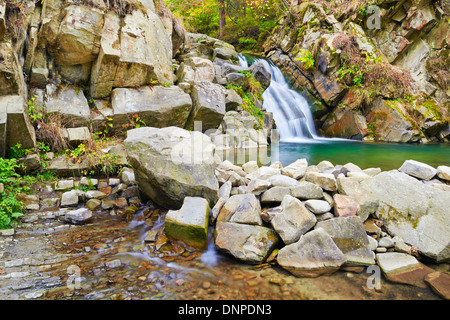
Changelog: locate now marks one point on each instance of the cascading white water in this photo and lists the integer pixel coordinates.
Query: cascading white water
(290, 109)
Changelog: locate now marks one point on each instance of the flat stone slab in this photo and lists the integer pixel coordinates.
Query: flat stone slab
(440, 283)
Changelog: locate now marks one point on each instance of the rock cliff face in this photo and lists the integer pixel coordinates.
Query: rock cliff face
(104, 64)
(380, 71)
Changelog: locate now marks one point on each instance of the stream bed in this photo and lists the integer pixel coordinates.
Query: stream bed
(129, 258)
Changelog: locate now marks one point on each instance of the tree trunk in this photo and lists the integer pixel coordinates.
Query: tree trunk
(221, 17)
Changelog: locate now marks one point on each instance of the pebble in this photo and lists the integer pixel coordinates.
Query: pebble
(386, 242)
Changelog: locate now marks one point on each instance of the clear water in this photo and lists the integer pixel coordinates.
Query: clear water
(298, 137)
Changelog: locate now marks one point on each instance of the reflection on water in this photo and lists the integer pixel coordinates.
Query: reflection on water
(366, 155)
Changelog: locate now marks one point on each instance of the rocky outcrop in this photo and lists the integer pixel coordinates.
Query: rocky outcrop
(374, 82)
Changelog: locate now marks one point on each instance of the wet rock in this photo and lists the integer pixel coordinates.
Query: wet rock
(241, 208)
(93, 204)
(418, 169)
(293, 220)
(313, 255)
(349, 235)
(78, 216)
(440, 283)
(169, 166)
(190, 223)
(248, 243)
(403, 268)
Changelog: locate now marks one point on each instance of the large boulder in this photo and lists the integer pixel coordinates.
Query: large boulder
(350, 236)
(157, 107)
(172, 163)
(416, 212)
(249, 243)
(190, 223)
(313, 255)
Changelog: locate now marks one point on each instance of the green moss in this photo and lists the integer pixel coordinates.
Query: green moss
(432, 109)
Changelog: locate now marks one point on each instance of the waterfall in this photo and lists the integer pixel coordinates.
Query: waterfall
(290, 109)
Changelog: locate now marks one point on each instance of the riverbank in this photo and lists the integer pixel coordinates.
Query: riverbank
(123, 251)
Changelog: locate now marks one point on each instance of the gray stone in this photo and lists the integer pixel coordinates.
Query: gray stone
(71, 104)
(249, 243)
(71, 198)
(443, 172)
(258, 186)
(263, 173)
(393, 262)
(317, 206)
(208, 105)
(313, 255)
(293, 220)
(64, 185)
(307, 190)
(157, 107)
(280, 180)
(95, 194)
(386, 242)
(275, 194)
(296, 169)
(172, 163)
(326, 181)
(78, 216)
(127, 176)
(241, 208)
(349, 235)
(418, 169)
(78, 135)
